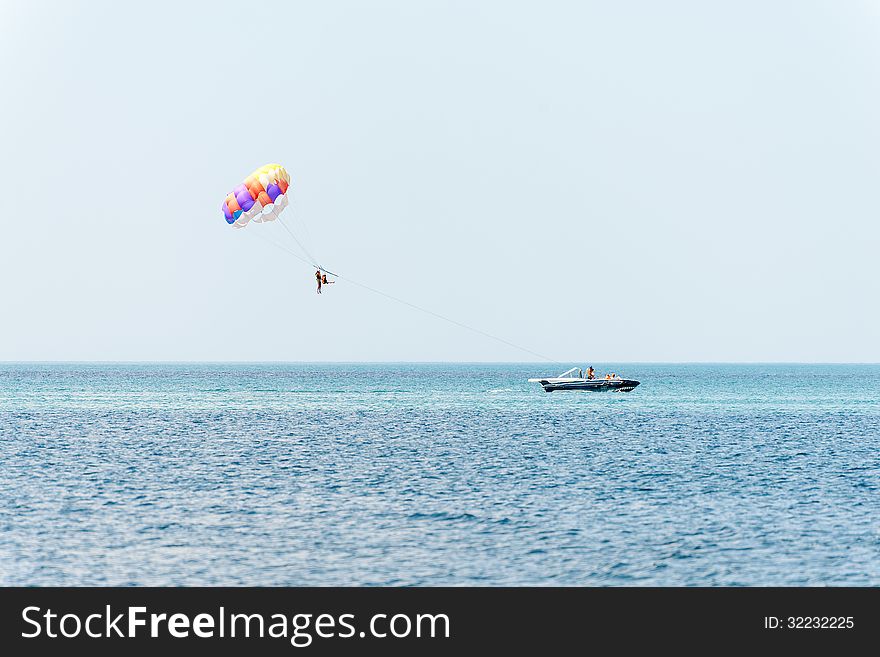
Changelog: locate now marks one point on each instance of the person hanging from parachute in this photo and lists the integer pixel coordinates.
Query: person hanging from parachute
(322, 279)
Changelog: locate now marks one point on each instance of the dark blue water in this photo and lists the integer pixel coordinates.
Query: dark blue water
(438, 474)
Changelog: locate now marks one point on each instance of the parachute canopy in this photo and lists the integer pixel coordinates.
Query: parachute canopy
(261, 197)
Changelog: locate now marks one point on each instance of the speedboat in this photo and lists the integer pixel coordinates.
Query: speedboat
(573, 379)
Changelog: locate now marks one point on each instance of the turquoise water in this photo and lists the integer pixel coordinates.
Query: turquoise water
(402, 474)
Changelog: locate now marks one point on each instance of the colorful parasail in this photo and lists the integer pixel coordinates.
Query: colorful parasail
(261, 197)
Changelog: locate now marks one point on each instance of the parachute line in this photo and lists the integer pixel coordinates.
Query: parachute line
(416, 307)
(299, 243)
(448, 319)
(282, 247)
(299, 222)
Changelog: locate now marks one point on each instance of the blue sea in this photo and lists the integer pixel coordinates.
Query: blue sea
(437, 474)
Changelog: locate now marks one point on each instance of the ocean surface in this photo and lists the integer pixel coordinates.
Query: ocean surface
(437, 474)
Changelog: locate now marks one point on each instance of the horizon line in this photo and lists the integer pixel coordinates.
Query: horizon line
(426, 362)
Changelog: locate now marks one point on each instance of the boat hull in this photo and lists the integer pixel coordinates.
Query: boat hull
(589, 385)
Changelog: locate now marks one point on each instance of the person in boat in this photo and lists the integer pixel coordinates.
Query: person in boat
(591, 373)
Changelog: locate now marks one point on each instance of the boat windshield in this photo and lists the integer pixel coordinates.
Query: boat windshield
(572, 373)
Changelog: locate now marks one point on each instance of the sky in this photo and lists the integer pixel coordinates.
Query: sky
(592, 181)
